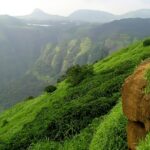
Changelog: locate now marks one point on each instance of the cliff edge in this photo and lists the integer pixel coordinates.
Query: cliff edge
(136, 105)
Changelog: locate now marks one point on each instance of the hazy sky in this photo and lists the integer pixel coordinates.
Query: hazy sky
(65, 7)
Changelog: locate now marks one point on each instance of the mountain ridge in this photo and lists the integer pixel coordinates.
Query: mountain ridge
(87, 15)
(38, 14)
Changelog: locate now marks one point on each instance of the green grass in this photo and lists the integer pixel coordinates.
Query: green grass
(103, 134)
(78, 142)
(132, 54)
(25, 112)
(111, 133)
(144, 144)
(64, 116)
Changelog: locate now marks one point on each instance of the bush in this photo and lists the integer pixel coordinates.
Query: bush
(50, 89)
(78, 73)
(146, 42)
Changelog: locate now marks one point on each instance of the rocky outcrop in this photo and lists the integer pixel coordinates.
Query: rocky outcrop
(136, 105)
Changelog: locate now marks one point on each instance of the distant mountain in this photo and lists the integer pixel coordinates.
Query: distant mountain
(80, 15)
(103, 17)
(85, 15)
(10, 21)
(143, 13)
(92, 16)
(38, 14)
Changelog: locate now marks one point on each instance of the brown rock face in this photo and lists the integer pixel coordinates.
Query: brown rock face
(136, 105)
(136, 131)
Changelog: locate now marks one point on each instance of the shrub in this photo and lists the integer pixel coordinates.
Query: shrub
(78, 73)
(146, 42)
(50, 89)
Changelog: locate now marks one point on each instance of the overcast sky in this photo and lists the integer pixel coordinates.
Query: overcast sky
(65, 7)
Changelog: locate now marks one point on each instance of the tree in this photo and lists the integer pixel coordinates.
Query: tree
(78, 73)
(50, 89)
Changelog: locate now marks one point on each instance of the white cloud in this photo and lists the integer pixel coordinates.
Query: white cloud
(65, 7)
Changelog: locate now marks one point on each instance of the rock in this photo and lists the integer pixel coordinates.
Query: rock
(136, 131)
(134, 102)
(136, 105)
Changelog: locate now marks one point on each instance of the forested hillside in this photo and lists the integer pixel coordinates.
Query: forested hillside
(76, 115)
(32, 57)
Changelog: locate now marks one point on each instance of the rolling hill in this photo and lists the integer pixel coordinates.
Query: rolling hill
(80, 114)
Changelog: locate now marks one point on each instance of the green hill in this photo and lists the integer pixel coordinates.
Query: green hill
(32, 57)
(78, 114)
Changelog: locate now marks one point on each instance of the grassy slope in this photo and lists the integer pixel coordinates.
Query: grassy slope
(111, 132)
(78, 142)
(144, 144)
(97, 136)
(65, 116)
(26, 112)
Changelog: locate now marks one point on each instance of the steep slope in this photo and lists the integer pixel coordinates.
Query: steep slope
(20, 47)
(57, 48)
(69, 111)
(110, 133)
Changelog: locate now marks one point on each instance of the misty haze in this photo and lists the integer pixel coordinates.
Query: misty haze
(75, 75)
